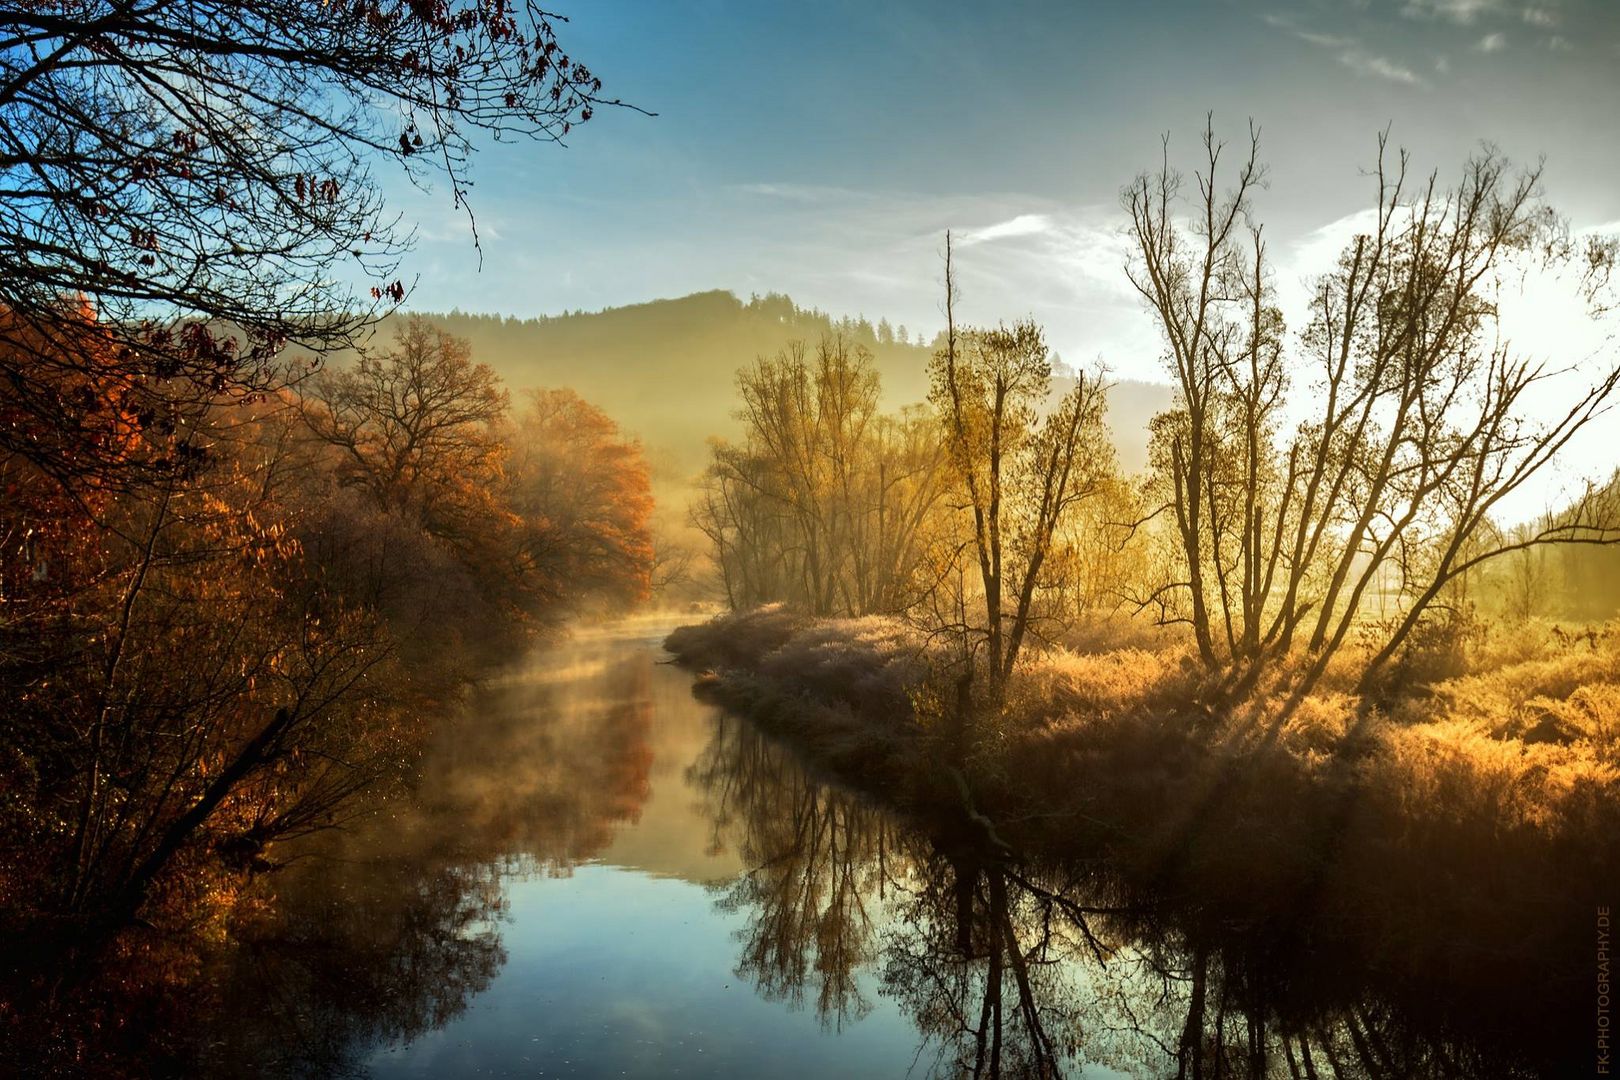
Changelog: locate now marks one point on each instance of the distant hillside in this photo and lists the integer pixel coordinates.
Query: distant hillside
(665, 370)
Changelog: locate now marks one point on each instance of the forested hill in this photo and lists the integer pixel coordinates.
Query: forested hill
(666, 369)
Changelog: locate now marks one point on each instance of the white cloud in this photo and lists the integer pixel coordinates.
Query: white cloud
(1350, 53)
(1457, 11)
(1062, 264)
(1365, 63)
(798, 193)
(1325, 41)
(1289, 25)
(1022, 225)
(1313, 254)
(1543, 15)
(1491, 43)
(1543, 318)
(439, 221)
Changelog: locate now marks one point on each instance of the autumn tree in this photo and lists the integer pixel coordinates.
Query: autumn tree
(207, 661)
(541, 511)
(190, 219)
(202, 175)
(187, 668)
(583, 493)
(1095, 567)
(418, 430)
(907, 492)
(41, 523)
(1021, 464)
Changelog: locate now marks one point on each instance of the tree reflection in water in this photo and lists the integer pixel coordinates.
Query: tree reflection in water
(377, 934)
(1012, 969)
(347, 961)
(819, 871)
(380, 947)
(979, 962)
(837, 885)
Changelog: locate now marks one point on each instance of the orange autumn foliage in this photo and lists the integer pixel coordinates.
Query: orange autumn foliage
(584, 495)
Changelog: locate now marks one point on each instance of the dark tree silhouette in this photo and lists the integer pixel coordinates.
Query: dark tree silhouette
(201, 173)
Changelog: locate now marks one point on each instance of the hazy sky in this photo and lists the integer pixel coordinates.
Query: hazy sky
(823, 149)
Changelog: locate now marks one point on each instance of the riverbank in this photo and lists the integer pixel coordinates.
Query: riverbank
(1484, 810)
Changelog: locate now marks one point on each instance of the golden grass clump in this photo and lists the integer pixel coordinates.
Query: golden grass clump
(1536, 686)
(1099, 684)
(1454, 769)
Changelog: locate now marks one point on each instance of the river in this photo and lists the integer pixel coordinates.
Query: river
(599, 875)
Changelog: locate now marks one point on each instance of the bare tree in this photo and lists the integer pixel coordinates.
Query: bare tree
(744, 528)
(1209, 290)
(417, 426)
(1527, 576)
(827, 503)
(1417, 427)
(809, 416)
(1021, 475)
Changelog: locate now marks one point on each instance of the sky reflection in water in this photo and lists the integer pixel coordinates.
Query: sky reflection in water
(602, 876)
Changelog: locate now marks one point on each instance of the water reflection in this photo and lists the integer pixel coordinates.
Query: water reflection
(818, 874)
(970, 953)
(599, 873)
(344, 961)
(1016, 969)
(382, 935)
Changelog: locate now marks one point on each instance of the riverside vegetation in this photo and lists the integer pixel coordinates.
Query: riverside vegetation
(1299, 675)
(253, 642)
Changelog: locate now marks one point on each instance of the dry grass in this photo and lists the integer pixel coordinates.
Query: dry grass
(1445, 849)
(839, 688)
(1099, 684)
(737, 640)
(1101, 632)
(1533, 687)
(1523, 739)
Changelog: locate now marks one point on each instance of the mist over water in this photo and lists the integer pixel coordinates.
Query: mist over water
(601, 875)
(573, 813)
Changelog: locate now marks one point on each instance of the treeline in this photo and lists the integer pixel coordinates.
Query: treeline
(773, 307)
(663, 369)
(827, 502)
(989, 517)
(223, 617)
(1313, 492)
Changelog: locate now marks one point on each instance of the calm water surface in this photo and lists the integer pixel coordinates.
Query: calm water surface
(617, 862)
(602, 876)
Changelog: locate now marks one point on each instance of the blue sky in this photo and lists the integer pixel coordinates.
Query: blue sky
(822, 150)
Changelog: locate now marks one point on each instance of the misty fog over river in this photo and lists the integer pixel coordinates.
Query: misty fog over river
(601, 875)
